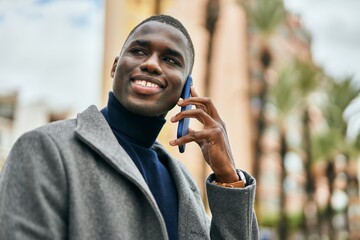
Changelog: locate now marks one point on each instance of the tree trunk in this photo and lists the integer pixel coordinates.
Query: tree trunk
(283, 226)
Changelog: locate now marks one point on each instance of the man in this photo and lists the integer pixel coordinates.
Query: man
(103, 175)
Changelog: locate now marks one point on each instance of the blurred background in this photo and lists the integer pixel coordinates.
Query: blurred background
(284, 76)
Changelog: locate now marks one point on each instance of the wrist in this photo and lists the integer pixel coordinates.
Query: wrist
(240, 183)
(228, 177)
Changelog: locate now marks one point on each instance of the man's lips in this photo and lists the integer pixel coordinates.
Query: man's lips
(146, 85)
(147, 81)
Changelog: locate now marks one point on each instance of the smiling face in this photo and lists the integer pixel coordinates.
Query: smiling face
(151, 70)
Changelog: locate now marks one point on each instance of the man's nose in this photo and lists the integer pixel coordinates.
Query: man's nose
(152, 65)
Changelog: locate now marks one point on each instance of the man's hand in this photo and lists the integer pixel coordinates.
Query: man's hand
(212, 139)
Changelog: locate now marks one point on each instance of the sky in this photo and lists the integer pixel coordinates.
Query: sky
(51, 50)
(335, 29)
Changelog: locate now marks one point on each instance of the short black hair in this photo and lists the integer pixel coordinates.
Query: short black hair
(174, 23)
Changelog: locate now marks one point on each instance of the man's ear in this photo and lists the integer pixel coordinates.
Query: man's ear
(113, 68)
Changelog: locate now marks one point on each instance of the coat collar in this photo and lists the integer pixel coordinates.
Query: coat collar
(93, 129)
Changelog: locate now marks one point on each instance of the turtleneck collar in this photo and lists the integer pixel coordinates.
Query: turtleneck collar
(141, 130)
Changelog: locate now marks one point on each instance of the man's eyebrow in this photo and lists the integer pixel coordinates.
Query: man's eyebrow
(143, 43)
(168, 51)
(174, 53)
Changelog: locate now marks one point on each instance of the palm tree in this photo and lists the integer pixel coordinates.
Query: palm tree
(282, 97)
(340, 94)
(264, 18)
(333, 141)
(311, 77)
(289, 95)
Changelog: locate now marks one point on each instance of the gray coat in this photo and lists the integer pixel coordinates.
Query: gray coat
(72, 180)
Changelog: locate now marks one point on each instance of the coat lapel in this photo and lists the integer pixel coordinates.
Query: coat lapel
(93, 130)
(191, 220)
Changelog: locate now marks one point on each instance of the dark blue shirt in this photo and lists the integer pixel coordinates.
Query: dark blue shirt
(136, 134)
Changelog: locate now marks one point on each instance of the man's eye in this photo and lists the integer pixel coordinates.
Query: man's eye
(171, 60)
(137, 51)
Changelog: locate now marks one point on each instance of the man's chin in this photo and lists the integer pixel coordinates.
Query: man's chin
(147, 108)
(147, 111)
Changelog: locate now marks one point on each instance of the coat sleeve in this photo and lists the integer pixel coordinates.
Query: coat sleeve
(232, 209)
(33, 190)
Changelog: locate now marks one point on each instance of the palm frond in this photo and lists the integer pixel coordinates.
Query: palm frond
(265, 15)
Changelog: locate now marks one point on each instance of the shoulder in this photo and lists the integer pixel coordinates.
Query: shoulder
(60, 130)
(51, 131)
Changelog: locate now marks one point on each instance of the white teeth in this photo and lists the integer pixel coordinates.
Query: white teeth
(149, 84)
(146, 84)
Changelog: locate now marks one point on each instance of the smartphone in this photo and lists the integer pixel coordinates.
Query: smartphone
(183, 126)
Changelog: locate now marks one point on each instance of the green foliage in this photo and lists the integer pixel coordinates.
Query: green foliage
(295, 82)
(269, 220)
(282, 93)
(265, 15)
(339, 95)
(295, 220)
(308, 77)
(343, 91)
(327, 144)
(290, 94)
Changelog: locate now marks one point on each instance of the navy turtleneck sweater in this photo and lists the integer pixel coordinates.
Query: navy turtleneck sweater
(136, 134)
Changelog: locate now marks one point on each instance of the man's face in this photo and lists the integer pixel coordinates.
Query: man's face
(151, 70)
